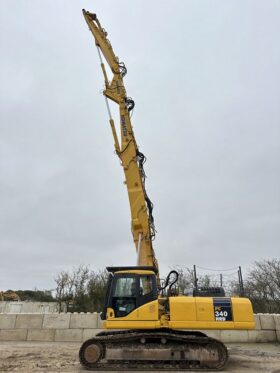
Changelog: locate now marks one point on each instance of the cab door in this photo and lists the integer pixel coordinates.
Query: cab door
(124, 294)
(131, 291)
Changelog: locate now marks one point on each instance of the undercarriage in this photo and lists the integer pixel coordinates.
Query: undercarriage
(163, 349)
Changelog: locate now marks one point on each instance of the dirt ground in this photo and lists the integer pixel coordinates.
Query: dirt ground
(63, 357)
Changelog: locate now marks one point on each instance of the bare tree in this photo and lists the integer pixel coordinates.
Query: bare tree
(80, 289)
(96, 288)
(71, 286)
(186, 280)
(62, 288)
(262, 286)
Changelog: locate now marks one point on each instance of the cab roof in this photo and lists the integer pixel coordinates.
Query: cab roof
(134, 269)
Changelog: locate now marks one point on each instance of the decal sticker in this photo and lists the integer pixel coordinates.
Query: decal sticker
(123, 124)
(222, 309)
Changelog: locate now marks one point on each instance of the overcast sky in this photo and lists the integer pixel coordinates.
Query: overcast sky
(206, 81)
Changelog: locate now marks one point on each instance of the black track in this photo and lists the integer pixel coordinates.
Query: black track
(131, 338)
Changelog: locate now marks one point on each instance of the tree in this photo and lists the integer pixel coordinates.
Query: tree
(186, 280)
(262, 286)
(35, 295)
(71, 288)
(81, 290)
(96, 288)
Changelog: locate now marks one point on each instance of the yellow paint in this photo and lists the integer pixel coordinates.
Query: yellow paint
(243, 311)
(185, 313)
(126, 148)
(146, 317)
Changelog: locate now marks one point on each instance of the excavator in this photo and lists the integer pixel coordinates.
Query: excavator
(147, 324)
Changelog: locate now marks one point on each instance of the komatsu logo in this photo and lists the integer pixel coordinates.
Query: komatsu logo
(124, 129)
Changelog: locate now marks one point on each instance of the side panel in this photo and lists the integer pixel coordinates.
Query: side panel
(144, 317)
(204, 309)
(243, 311)
(210, 313)
(189, 313)
(182, 309)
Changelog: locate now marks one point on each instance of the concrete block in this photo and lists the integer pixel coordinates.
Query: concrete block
(267, 322)
(29, 321)
(99, 321)
(51, 307)
(277, 322)
(89, 333)
(39, 307)
(257, 322)
(68, 335)
(42, 335)
(30, 307)
(13, 307)
(261, 336)
(234, 336)
(13, 335)
(56, 321)
(83, 321)
(7, 321)
(2, 306)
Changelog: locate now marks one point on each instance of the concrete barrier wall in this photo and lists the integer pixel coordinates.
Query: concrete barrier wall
(29, 307)
(77, 327)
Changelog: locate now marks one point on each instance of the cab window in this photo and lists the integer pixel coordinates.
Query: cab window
(125, 287)
(124, 296)
(131, 291)
(146, 285)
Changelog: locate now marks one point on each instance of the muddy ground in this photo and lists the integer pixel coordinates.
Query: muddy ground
(62, 357)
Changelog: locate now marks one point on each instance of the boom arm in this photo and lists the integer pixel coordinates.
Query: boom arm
(132, 160)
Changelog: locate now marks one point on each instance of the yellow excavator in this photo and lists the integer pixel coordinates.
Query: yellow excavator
(149, 326)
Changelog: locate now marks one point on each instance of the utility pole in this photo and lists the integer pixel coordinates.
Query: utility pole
(240, 279)
(195, 278)
(221, 280)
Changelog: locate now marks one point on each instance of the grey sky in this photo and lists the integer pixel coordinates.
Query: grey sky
(205, 78)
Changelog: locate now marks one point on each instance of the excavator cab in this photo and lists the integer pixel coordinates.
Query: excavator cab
(129, 288)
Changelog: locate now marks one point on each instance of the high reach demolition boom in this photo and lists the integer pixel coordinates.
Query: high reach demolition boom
(143, 319)
(132, 160)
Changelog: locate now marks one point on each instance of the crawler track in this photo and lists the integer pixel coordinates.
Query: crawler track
(153, 350)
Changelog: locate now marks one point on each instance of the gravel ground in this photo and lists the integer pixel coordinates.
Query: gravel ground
(62, 357)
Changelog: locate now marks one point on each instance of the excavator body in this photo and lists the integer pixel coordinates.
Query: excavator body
(133, 302)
